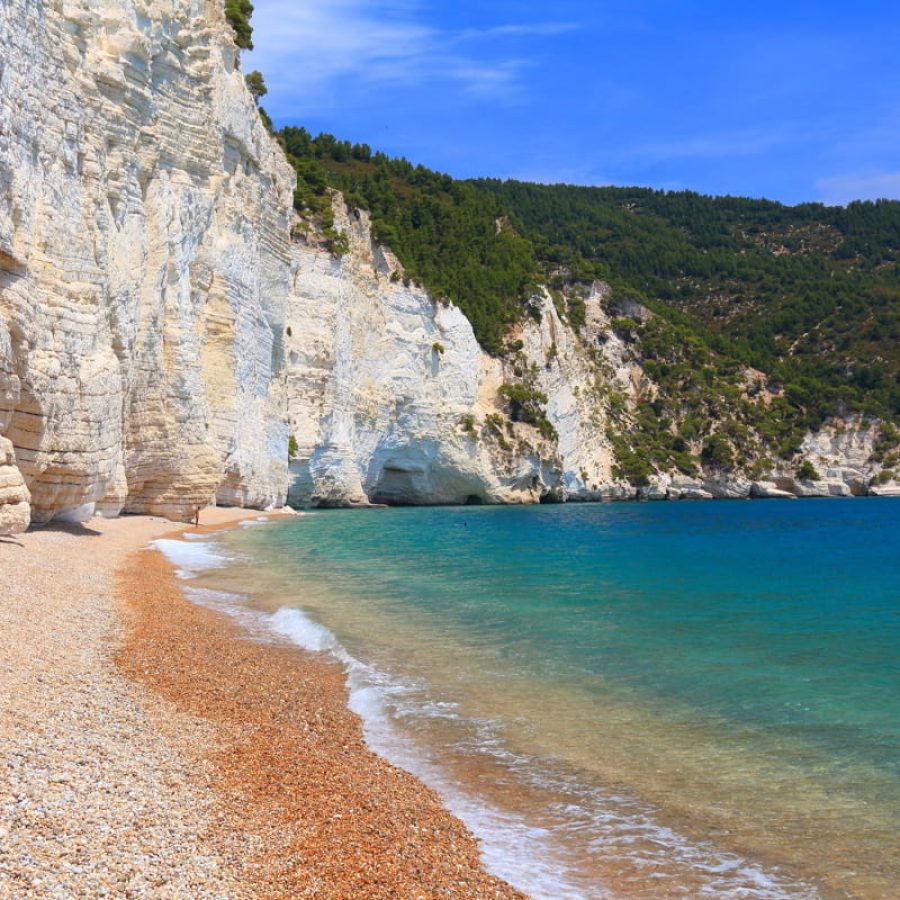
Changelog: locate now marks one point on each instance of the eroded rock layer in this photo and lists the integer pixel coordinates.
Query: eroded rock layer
(15, 501)
(144, 231)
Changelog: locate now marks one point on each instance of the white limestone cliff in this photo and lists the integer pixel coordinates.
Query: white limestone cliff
(843, 455)
(144, 261)
(575, 372)
(388, 391)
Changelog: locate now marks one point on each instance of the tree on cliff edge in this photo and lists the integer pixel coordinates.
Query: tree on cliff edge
(256, 85)
(238, 13)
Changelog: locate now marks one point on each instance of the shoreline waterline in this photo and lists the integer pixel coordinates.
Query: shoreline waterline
(292, 750)
(508, 847)
(513, 818)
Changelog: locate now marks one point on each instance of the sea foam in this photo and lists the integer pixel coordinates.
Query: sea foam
(300, 629)
(511, 848)
(191, 558)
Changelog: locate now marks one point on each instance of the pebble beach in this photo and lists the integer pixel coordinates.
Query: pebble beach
(148, 748)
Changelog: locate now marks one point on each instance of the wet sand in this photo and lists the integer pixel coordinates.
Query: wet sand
(152, 749)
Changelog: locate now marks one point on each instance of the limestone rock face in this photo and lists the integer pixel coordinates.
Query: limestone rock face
(144, 261)
(574, 372)
(379, 379)
(889, 489)
(15, 501)
(768, 490)
(688, 489)
(815, 488)
(843, 454)
(392, 400)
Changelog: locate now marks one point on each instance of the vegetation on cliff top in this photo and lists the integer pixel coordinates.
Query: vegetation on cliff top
(238, 13)
(808, 295)
(450, 236)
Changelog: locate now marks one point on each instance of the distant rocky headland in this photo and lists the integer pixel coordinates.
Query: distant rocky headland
(178, 312)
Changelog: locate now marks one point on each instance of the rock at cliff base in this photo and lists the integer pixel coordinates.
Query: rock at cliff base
(768, 490)
(15, 501)
(890, 489)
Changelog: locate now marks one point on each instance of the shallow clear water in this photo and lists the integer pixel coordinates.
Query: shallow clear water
(697, 699)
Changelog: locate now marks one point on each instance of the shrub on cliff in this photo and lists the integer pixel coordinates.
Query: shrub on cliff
(807, 471)
(256, 84)
(238, 13)
(717, 452)
(528, 404)
(630, 466)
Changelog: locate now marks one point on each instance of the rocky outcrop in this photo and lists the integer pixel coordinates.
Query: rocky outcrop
(144, 261)
(575, 371)
(887, 489)
(768, 490)
(842, 453)
(388, 390)
(839, 460)
(15, 501)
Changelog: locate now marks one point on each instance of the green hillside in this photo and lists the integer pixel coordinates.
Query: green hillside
(809, 294)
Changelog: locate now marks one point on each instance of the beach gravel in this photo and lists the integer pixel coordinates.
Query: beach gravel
(97, 798)
(150, 749)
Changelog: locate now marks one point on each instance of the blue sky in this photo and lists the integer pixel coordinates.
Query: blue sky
(792, 100)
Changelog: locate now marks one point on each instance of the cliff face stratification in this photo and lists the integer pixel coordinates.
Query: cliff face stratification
(144, 261)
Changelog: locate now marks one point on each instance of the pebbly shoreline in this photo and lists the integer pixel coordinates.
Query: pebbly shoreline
(150, 749)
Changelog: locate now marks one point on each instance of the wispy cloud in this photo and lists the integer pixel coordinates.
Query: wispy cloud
(311, 52)
(841, 189)
(719, 145)
(541, 29)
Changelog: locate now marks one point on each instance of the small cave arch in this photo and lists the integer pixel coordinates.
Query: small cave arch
(395, 487)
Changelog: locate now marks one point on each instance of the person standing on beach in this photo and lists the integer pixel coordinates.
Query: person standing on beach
(196, 517)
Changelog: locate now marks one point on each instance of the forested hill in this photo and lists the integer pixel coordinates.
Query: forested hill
(808, 294)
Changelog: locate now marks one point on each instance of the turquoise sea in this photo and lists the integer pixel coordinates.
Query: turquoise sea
(622, 700)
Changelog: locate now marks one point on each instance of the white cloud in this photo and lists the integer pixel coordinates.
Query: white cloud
(841, 189)
(310, 50)
(541, 29)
